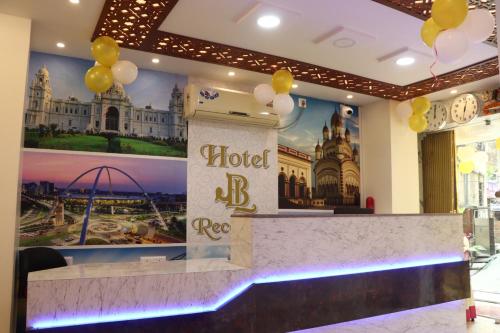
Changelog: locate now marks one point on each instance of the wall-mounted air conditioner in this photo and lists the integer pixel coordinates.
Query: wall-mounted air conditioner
(227, 105)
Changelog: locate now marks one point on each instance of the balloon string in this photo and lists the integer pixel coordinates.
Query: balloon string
(436, 81)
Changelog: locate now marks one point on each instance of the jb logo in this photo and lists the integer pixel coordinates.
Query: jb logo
(237, 194)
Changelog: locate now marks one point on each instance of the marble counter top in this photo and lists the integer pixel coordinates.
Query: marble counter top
(130, 269)
(264, 249)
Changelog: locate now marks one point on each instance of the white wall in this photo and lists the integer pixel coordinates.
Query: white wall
(389, 160)
(375, 137)
(404, 165)
(15, 37)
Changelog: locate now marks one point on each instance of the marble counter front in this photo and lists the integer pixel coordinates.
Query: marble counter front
(266, 252)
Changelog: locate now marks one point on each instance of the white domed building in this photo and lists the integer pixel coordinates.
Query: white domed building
(111, 111)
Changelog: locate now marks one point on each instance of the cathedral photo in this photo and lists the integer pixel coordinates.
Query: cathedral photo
(319, 159)
(115, 121)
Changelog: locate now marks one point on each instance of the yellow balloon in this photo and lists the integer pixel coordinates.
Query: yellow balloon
(105, 51)
(417, 122)
(99, 79)
(449, 13)
(282, 81)
(497, 142)
(429, 32)
(421, 105)
(466, 167)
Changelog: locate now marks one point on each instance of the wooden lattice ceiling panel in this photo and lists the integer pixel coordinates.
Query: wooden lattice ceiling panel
(134, 24)
(422, 9)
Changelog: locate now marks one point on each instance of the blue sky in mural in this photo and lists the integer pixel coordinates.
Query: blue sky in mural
(66, 77)
(305, 134)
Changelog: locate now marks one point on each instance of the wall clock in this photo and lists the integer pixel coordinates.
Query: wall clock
(464, 108)
(437, 116)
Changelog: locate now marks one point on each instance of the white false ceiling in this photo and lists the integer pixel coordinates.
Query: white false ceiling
(308, 31)
(310, 28)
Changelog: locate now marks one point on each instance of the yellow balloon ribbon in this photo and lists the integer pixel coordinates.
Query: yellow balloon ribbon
(98, 79)
(466, 167)
(449, 14)
(105, 51)
(429, 32)
(282, 81)
(497, 143)
(421, 105)
(418, 123)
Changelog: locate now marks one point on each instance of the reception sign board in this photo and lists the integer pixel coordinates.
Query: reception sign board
(231, 170)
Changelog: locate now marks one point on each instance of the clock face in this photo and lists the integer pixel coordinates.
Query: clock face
(437, 116)
(464, 108)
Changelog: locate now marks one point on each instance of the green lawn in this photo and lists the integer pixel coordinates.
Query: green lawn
(94, 143)
(146, 148)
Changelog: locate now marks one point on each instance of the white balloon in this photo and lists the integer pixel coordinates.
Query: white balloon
(264, 93)
(283, 104)
(404, 111)
(478, 25)
(451, 45)
(480, 157)
(124, 71)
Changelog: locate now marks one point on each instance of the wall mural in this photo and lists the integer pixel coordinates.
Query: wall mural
(83, 199)
(61, 113)
(318, 156)
(102, 169)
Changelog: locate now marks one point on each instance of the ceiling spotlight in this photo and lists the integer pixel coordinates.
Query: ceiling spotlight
(405, 61)
(350, 96)
(268, 21)
(231, 73)
(295, 86)
(454, 91)
(155, 60)
(75, 2)
(60, 45)
(265, 113)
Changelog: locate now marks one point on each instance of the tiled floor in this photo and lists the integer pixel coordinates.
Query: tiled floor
(483, 325)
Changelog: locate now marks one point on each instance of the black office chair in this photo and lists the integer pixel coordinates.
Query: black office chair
(31, 260)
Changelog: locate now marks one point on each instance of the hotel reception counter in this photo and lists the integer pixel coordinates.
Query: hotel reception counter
(286, 273)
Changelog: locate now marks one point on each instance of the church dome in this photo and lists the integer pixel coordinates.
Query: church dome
(318, 147)
(43, 71)
(336, 120)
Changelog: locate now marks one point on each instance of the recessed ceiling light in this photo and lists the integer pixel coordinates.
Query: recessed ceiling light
(295, 86)
(454, 91)
(350, 96)
(155, 60)
(231, 73)
(264, 113)
(75, 2)
(405, 61)
(60, 45)
(344, 42)
(268, 21)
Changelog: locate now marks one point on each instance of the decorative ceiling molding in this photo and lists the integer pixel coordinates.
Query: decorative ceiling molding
(422, 10)
(134, 24)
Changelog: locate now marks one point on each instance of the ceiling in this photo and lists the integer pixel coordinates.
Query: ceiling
(308, 32)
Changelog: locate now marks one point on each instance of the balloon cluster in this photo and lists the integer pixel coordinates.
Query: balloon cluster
(413, 113)
(278, 93)
(452, 28)
(108, 68)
